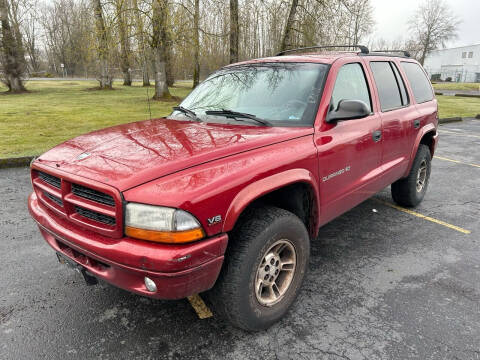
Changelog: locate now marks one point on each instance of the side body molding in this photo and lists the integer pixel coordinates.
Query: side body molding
(266, 185)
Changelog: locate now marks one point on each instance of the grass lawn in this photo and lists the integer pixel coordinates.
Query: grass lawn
(452, 106)
(55, 111)
(456, 86)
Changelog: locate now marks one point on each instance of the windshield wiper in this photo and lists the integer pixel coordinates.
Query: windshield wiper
(237, 116)
(191, 114)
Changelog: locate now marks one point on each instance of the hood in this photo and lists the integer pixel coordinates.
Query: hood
(128, 155)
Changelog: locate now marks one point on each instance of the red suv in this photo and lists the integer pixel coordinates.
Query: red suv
(227, 192)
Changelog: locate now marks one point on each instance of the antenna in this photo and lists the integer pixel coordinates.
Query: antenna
(148, 101)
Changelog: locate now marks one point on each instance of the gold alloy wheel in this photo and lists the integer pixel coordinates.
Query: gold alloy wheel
(422, 176)
(275, 273)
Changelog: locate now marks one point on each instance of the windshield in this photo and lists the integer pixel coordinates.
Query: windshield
(283, 94)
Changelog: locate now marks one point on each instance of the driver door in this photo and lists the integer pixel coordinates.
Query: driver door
(349, 151)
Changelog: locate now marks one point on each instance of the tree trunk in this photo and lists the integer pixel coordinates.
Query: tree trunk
(12, 55)
(196, 45)
(141, 41)
(168, 60)
(425, 47)
(105, 77)
(234, 31)
(124, 42)
(159, 18)
(288, 27)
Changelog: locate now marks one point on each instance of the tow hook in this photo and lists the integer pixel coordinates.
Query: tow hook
(89, 279)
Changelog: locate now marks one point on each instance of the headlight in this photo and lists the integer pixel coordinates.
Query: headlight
(161, 224)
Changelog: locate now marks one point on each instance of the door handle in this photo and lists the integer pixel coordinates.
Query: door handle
(377, 135)
(416, 123)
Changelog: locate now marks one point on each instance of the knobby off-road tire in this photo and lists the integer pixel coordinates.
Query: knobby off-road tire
(252, 256)
(411, 190)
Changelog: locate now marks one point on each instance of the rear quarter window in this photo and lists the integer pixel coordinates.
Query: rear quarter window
(422, 91)
(387, 85)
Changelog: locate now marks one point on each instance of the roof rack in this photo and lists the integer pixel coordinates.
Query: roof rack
(363, 49)
(404, 52)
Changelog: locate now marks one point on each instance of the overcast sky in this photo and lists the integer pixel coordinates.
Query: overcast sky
(391, 19)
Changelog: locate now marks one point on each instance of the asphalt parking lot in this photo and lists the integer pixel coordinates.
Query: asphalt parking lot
(383, 284)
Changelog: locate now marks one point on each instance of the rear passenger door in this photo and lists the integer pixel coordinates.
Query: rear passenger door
(399, 118)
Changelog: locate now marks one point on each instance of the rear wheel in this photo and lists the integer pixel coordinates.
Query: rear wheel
(411, 190)
(265, 264)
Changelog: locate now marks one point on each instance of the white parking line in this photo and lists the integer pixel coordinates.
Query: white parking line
(455, 161)
(424, 217)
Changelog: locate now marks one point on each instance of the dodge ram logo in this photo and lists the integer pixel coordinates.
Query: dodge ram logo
(83, 156)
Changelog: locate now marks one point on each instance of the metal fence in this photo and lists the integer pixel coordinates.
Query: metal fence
(453, 74)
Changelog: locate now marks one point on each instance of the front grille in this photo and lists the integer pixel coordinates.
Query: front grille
(93, 195)
(49, 179)
(96, 207)
(93, 215)
(55, 199)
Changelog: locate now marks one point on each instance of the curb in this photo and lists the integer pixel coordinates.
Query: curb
(457, 94)
(15, 162)
(468, 95)
(449, 120)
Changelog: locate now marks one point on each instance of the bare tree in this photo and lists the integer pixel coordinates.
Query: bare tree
(12, 53)
(30, 31)
(432, 25)
(141, 43)
(121, 15)
(234, 31)
(196, 45)
(289, 26)
(106, 79)
(360, 20)
(159, 47)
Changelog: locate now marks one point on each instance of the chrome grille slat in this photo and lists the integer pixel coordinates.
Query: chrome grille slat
(93, 215)
(91, 194)
(55, 199)
(49, 179)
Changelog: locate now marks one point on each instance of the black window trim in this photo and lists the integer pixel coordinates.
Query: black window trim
(395, 67)
(426, 77)
(398, 86)
(366, 83)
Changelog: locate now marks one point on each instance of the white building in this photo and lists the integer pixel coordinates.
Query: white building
(461, 64)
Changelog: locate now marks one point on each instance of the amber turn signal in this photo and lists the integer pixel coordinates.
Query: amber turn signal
(169, 237)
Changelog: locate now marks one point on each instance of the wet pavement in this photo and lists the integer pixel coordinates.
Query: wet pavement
(383, 284)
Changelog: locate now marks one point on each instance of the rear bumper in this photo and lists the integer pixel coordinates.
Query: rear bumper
(178, 270)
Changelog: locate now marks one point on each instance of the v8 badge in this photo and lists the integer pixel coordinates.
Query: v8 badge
(214, 220)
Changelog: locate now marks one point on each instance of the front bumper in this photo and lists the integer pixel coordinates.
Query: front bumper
(178, 270)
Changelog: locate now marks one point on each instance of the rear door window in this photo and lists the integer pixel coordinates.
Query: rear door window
(422, 91)
(388, 85)
(351, 85)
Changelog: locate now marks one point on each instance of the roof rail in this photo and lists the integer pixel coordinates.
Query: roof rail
(404, 52)
(363, 49)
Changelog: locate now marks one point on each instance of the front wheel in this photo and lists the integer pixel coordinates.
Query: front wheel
(264, 267)
(411, 190)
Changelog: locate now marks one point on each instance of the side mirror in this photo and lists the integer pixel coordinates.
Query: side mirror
(348, 110)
